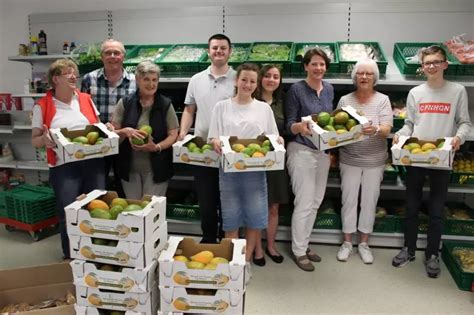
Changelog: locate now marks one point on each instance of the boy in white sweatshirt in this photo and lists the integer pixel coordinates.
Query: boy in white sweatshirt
(435, 109)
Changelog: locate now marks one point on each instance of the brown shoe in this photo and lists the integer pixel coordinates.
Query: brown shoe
(304, 263)
(312, 256)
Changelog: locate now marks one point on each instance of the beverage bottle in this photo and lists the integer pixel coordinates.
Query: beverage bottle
(66, 50)
(72, 47)
(43, 49)
(33, 45)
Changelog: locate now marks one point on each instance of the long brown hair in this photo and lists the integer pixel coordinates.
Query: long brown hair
(277, 94)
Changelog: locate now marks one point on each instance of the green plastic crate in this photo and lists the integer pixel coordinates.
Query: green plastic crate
(328, 221)
(464, 69)
(462, 178)
(403, 50)
(387, 224)
(453, 226)
(3, 205)
(345, 66)
(30, 204)
(397, 123)
(174, 68)
(131, 65)
(183, 212)
(390, 176)
(297, 68)
(464, 280)
(243, 48)
(284, 64)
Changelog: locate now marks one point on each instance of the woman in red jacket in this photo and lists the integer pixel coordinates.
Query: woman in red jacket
(65, 107)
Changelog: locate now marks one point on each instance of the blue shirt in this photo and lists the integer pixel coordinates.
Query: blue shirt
(302, 100)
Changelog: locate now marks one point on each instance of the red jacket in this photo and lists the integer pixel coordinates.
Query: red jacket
(49, 111)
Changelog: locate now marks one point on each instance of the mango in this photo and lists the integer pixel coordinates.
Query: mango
(254, 146)
(329, 128)
(412, 146)
(428, 146)
(181, 258)
(210, 266)
(97, 203)
(249, 151)
(218, 260)
(101, 214)
(440, 145)
(341, 118)
(339, 127)
(68, 139)
(339, 131)
(258, 154)
(80, 140)
(323, 119)
(331, 121)
(132, 207)
(119, 201)
(146, 128)
(266, 143)
(351, 123)
(196, 150)
(138, 141)
(264, 150)
(144, 203)
(195, 265)
(206, 147)
(191, 146)
(92, 137)
(416, 151)
(99, 140)
(238, 147)
(115, 211)
(204, 257)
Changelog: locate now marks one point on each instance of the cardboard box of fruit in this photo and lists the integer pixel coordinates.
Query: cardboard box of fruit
(250, 155)
(184, 263)
(90, 310)
(95, 141)
(341, 127)
(145, 302)
(411, 151)
(209, 301)
(114, 278)
(194, 150)
(102, 214)
(121, 253)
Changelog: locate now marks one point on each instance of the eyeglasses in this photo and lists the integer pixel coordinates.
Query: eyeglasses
(69, 75)
(367, 74)
(435, 63)
(109, 53)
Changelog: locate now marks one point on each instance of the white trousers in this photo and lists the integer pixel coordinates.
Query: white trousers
(308, 171)
(368, 180)
(142, 184)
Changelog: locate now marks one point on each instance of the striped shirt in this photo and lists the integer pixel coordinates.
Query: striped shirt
(371, 152)
(105, 97)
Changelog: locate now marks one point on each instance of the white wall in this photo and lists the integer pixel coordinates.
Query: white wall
(167, 21)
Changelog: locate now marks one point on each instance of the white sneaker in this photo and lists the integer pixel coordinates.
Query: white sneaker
(365, 253)
(344, 251)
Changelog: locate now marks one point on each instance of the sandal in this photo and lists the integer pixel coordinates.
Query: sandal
(304, 263)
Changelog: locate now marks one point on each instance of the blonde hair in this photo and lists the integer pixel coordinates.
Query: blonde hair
(57, 68)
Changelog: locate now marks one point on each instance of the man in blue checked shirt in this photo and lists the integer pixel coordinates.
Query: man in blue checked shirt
(107, 86)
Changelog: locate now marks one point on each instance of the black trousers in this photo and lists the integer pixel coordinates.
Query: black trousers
(438, 184)
(207, 190)
(114, 184)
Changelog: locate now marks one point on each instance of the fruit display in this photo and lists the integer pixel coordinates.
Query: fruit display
(269, 52)
(202, 260)
(238, 55)
(196, 148)
(461, 48)
(145, 130)
(99, 209)
(69, 299)
(338, 121)
(422, 147)
(252, 150)
(463, 164)
(358, 51)
(465, 257)
(91, 138)
(147, 53)
(184, 54)
(326, 48)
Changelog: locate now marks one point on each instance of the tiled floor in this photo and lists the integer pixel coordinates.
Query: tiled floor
(335, 287)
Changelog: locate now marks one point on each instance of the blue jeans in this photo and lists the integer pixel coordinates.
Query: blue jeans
(244, 200)
(71, 180)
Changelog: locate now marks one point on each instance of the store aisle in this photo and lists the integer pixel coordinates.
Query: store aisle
(334, 288)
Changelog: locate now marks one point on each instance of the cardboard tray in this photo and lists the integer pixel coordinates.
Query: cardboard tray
(181, 154)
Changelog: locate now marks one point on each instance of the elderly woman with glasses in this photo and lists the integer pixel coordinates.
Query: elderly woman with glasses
(65, 107)
(362, 163)
(147, 125)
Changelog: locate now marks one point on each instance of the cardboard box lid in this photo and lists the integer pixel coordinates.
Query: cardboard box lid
(35, 276)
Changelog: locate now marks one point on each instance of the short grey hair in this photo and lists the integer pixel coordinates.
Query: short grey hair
(109, 41)
(365, 62)
(146, 67)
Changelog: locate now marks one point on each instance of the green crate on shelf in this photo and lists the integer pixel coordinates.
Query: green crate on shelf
(345, 66)
(173, 63)
(30, 204)
(390, 175)
(397, 123)
(3, 205)
(240, 52)
(297, 68)
(402, 51)
(464, 69)
(144, 52)
(462, 178)
(258, 55)
(86, 68)
(387, 224)
(464, 278)
(454, 225)
(183, 212)
(328, 221)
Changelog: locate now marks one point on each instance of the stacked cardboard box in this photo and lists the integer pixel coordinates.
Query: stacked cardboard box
(220, 289)
(116, 260)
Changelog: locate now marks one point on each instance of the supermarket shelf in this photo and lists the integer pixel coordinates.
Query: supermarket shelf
(6, 129)
(32, 165)
(8, 164)
(32, 95)
(39, 57)
(22, 127)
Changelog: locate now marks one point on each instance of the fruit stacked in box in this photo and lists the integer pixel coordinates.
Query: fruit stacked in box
(459, 259)
(195, 151)
(116, 242)
(94, 141)
(202, 278)
(247, 155)
(463, 169)
(330, 130)
(422, 153)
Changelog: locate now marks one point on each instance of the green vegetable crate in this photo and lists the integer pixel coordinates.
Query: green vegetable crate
(462, 178)
(144, 52)
(463, 277)
(298, 51)
(390, 175)
(30, 204)
(277, 53)
(397, 123)
(3, 205)
(182, 59)
(404, 51)
(183, 212)
(346, 65)
(240, 52)
(459, 220)
(387, 224)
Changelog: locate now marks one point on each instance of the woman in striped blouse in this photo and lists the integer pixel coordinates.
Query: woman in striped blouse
(362, 163)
